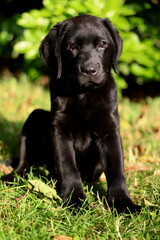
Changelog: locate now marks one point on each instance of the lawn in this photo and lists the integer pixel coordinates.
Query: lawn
(27, 213)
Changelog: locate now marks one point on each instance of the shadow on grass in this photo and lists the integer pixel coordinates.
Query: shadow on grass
(99, 189)
(9, 137)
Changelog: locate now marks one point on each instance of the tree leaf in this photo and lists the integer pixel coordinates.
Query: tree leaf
(63, 237)
(43, 190)
(147, 203)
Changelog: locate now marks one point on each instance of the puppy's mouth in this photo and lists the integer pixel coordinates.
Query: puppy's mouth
(88, 87)
(73, 85)
(91, 85)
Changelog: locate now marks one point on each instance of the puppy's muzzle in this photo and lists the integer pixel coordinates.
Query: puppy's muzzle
(89, 69)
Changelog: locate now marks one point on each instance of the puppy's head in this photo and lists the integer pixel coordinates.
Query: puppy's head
(82, 50)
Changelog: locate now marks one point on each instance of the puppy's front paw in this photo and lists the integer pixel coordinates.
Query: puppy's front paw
(122, 203)
(74, 197)
(126, 206)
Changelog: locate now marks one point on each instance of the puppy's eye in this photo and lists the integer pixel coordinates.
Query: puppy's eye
(102, 44)
(73, 46)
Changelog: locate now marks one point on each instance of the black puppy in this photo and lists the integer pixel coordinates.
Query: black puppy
(79, 139)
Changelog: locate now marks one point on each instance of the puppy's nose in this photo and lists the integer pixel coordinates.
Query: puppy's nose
(89, 70)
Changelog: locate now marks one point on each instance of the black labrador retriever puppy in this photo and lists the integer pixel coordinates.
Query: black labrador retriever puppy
(79, 139)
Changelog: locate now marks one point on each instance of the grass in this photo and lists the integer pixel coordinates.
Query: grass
(24, 214)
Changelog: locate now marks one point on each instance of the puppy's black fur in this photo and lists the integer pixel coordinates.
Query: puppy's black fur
(79, 139)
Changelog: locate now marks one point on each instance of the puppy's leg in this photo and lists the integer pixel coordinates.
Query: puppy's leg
(114, 170)
(69, 180)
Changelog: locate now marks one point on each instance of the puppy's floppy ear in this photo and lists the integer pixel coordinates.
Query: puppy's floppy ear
(50, 48)
(117, 41)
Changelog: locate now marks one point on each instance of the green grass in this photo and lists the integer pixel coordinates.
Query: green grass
(25, 215)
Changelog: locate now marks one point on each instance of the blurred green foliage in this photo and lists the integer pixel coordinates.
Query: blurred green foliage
(9, 30)
(141, 45)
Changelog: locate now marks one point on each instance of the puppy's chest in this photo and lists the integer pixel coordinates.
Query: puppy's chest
(81, 139)
(85, 118)
(86, 111)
